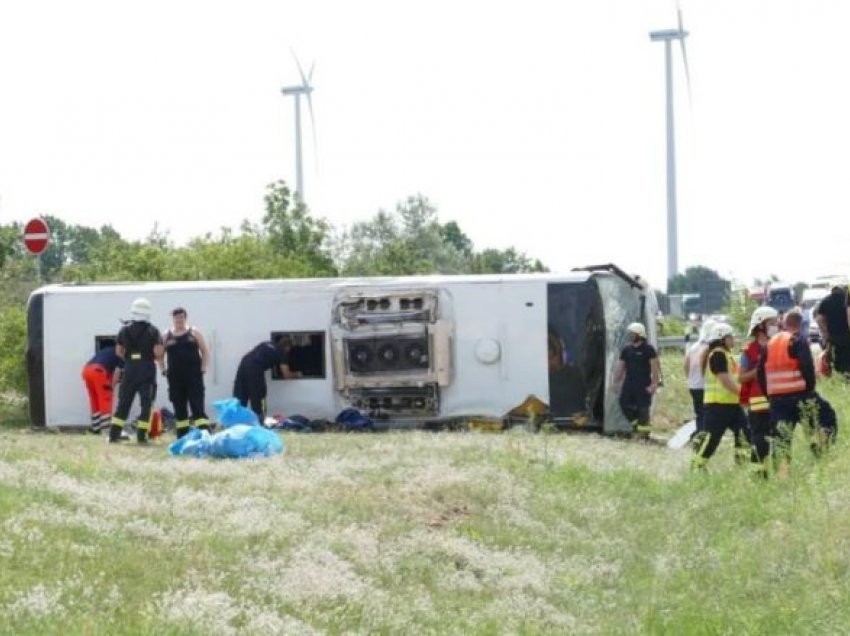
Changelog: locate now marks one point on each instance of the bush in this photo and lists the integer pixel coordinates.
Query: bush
(671, 326)
(13, 343)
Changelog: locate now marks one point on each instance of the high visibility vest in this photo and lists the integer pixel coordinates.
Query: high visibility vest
(781, 370)
(715, 392)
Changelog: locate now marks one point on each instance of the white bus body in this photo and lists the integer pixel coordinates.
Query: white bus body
(408, 350)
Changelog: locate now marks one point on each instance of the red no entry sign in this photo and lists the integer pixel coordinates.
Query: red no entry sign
(36, 236)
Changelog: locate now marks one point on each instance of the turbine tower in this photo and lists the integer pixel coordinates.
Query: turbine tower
(304, 88)
(668, 36)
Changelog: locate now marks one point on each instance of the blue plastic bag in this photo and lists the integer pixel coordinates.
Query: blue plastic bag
(238, 441)
(230, 412)
(195, 443)
(241, 440)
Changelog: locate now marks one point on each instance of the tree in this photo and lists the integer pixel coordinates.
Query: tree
(295, 233)
(413, 241)
(452, 234)
(507, 261)
(712, 288)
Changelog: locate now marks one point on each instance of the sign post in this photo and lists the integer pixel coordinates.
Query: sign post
(36, 240)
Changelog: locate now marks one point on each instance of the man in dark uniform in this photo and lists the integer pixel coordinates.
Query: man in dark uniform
(250, 384)
(638, 373)
(187, 355)
(786, 373)
(833, 318)
(140, 345)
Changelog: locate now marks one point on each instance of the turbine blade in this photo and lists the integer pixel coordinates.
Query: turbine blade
(300, 70)
(313, 127)
(684, 48)
(310, 72)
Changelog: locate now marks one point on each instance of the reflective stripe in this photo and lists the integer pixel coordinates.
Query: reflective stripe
(182, 424)
(759, 403)
(782, 372)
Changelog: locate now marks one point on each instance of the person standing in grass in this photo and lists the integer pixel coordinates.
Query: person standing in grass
(722, 410)
(695, 375)
(140, 345)
(764, 324)
(187, 356)
(786, 373)
(637, 374)
(833, 318)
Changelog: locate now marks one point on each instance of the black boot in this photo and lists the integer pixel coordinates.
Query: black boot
(115, 434)
(141, 436)
(180, 432)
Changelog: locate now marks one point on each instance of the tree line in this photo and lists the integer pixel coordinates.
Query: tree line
(289, 242)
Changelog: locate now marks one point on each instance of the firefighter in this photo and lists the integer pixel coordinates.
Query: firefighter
(694, 374)
(786, 373)
(722, 410)
(100, 375)
(637, 371)
(764, 324)
(140, 345)
(186, 361)
(249, 387)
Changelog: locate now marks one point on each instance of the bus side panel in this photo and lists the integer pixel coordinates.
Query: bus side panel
(234, 321)
(512, 314)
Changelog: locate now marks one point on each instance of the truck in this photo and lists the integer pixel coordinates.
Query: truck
(406, 351)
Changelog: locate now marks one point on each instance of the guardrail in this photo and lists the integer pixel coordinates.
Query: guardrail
(671, 342)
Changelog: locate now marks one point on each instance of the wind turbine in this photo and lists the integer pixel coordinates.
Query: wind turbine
(668, 36)
(304, 88)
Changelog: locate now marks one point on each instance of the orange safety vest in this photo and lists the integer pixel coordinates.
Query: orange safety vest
(781, 370)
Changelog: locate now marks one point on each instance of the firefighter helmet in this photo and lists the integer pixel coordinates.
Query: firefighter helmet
(721, 330)
(141, 309)
(760, 315)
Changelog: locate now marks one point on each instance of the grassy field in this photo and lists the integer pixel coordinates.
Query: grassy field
(422, 533)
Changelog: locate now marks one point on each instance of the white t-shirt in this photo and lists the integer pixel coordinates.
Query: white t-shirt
(696, 379)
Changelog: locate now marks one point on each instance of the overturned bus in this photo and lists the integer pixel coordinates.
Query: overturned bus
(425, 350)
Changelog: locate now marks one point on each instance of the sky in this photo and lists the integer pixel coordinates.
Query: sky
(533, 124)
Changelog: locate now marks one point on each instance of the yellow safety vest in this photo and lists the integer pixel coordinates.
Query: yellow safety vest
(715, 392)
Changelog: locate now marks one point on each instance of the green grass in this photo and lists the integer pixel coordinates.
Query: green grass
(408, 533)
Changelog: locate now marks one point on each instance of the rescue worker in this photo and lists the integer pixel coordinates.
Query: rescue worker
(764, 324)
(722, 410)
(100, 375)
(249, 387)
(833, 318)
(637, 371)
(140, 345)
(694, 374)
(186, 361)
(786, 373)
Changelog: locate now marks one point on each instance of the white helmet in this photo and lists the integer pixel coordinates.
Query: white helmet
(140, 309)
(637, 329)
(760, 315)
(705, 330)
(720, 331)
